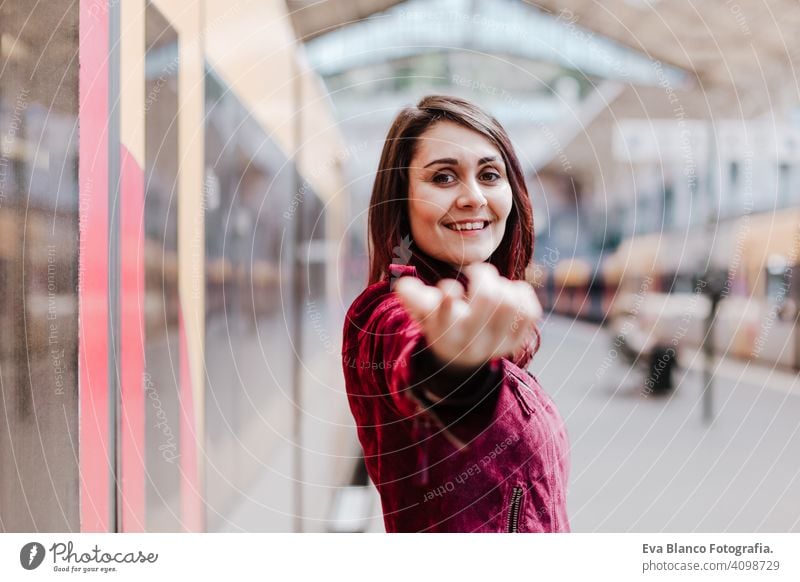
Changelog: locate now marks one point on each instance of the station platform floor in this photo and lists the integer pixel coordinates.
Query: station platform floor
(639, 463)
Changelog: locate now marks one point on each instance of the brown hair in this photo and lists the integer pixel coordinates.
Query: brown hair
(388, 210)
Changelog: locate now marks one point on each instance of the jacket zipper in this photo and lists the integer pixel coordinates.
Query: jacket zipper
(422, 450)
(513, 512)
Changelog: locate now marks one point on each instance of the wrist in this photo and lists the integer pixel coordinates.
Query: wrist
(433, 360)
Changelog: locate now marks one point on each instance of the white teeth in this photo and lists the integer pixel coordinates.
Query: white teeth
(467, 226)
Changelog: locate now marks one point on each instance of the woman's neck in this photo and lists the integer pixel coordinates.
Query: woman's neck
(432, 270)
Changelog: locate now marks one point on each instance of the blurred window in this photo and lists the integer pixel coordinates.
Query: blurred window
(39, 264)
(778, 280)
(161, 305)
(784, 185)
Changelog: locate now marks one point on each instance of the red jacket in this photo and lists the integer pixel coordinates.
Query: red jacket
(491, 456)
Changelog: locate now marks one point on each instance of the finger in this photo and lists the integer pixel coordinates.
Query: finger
(509, 314)
(452, 288)
(506, 317)
(521, 329)
(419, 299)
(529, 314)
(483, 279)
(482, 293)
(526, 309)
(453, 305)
(529, 301)
(538, 312)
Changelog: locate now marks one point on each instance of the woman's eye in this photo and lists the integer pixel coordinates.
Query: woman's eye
(443, 179)
(490, 176)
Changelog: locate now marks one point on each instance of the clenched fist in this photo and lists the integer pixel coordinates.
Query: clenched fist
(467, 329)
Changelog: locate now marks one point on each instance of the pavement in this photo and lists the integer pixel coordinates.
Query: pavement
(266, 475)
(639, 463)
(648, 463)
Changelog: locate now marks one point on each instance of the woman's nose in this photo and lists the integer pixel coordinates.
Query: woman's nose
(470, 195)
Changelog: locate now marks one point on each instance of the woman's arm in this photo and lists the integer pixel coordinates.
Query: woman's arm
(494, 318)
(446, 356)
(385, 347)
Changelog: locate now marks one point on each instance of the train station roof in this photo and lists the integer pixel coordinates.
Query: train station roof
(312, 18)
(746, 44)
(729, 59)
(509, 28)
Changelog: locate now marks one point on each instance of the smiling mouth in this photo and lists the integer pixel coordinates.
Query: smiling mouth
(468, 226)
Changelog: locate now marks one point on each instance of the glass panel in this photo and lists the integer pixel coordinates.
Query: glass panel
(162, 361)
(39, 266)
(250, 211)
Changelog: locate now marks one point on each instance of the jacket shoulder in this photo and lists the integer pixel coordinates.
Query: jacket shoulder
(367, 302)
(377, 297)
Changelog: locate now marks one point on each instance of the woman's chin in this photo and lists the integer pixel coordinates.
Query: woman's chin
(466, 259)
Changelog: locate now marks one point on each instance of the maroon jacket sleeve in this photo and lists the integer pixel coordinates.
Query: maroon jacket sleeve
(388, 348)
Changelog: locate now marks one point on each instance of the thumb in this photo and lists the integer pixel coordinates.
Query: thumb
(419, 299)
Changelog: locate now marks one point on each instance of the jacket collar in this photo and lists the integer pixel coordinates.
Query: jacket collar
(413, 261)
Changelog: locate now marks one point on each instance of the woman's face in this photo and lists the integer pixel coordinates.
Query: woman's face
(459, 195)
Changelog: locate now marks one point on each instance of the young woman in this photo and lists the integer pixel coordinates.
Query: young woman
(457, 435)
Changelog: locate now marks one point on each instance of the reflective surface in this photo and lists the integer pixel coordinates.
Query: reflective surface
(38, 266)
(161, 306)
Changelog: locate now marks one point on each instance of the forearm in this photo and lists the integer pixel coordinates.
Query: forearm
(449, 384)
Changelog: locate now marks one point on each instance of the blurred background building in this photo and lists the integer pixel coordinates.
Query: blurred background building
(183, 197)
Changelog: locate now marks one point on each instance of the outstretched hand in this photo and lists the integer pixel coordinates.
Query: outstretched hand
(494, 319)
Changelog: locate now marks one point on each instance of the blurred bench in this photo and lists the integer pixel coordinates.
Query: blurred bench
(658, 360)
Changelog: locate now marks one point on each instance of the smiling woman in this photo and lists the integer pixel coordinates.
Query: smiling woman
(457, 435)
(458, 203)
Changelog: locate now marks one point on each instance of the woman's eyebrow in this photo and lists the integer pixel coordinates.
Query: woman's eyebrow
(454, 162)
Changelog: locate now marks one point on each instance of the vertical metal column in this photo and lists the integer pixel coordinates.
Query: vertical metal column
(712, 222)
(794, 286)
(298, 278)
(114, 257)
